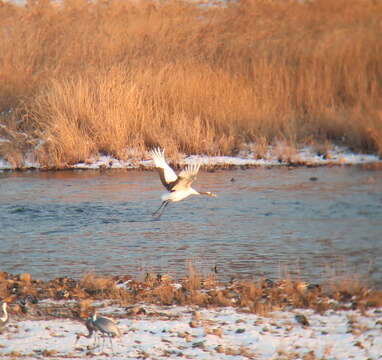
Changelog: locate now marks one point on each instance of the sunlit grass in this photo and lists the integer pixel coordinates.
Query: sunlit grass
(79, 78)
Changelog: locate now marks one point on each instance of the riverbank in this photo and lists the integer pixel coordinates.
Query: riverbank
(193, 318)
(192, 333)
(105, 77)
(280, 155)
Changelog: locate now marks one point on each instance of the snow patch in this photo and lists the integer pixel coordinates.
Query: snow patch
(305, 156)
(214, 334)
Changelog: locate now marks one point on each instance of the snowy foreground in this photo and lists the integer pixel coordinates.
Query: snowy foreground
(275, 156)
(184, 332)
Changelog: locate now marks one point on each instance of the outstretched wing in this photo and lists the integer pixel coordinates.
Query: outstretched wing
(186, 177)
(166, 174)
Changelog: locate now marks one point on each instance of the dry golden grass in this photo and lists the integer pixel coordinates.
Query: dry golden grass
(79, 78)
(97, 285)
(260, 296)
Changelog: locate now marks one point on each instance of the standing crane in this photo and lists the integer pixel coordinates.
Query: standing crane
(107, 327)
(179, 186)
(91, 329)
(5, 318)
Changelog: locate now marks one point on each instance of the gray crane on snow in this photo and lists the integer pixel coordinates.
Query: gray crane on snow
(91, 330)
(107, 327)
(179, 186)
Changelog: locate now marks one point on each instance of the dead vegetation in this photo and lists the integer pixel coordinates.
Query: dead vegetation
(79, 78)
(261, 296)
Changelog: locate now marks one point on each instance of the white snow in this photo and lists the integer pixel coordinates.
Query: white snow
(5, 165)
(165, 333)
(307, 156)
(336, 156)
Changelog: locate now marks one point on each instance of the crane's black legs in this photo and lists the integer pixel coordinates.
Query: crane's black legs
(160, 210)
(110, 341)
(111, 345)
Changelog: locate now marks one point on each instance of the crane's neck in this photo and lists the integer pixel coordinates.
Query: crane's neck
(5, 317)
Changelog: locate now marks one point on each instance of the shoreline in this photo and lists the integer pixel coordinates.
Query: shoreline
(260, 295)
(305, 157)
(191, 333)
(264, 320)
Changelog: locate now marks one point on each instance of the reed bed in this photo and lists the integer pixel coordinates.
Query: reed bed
(260, 296)
(79, 78)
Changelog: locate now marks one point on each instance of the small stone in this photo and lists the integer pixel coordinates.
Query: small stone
(196, 315)
(219, 349)
(217, 332)
(199, 344)
(302, 319)
(193, 324)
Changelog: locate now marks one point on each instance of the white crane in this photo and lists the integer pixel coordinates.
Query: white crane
(179, 186)
(5, 318)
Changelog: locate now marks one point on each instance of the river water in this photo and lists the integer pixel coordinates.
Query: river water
(314, 223)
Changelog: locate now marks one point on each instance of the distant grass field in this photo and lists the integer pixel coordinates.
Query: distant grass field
(78, 78)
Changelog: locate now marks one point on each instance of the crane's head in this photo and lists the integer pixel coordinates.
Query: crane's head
(208, 193)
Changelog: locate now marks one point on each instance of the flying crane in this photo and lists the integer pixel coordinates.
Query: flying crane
(179, 186)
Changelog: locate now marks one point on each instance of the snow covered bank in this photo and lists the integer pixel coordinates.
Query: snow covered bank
(188, 332)
(273, 157)
(306, 156)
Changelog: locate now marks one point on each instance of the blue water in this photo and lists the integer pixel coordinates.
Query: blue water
(314, 223)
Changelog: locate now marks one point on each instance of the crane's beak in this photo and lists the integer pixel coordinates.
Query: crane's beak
(208, 193)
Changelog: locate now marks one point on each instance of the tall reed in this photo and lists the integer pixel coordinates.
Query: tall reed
(79, 78)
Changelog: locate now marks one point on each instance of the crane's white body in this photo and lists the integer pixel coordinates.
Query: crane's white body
(179, 186)
(178, 195)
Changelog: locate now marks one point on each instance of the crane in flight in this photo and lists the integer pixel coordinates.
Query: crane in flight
(179, 186)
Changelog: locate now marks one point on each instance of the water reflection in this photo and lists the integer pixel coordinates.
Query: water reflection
(264, 220)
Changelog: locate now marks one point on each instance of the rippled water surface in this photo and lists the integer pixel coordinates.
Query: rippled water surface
(310, 221)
